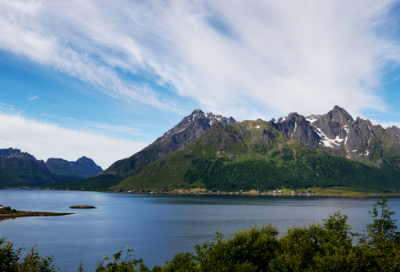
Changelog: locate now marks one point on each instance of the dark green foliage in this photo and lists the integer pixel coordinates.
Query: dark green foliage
(121, 265)
(7, 210)
(384, 227)
(100, 182)
(12, 261)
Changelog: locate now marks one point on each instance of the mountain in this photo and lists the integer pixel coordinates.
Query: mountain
(340, 134)
(255, 155)
(191, 127)
(23, 169)
(295, 151)
(81, 169)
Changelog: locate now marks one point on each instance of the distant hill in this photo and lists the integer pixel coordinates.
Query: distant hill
(23, 169)
(295, 151)
(81, 169)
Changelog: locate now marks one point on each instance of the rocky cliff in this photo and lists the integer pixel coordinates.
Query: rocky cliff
(342, 135)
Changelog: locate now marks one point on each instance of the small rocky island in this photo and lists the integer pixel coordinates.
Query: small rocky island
(8, 213)
(82, 207)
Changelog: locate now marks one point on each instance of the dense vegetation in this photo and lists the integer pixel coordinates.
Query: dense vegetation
(100, 182)
(7, 179)
(327, 247)
(254, 155)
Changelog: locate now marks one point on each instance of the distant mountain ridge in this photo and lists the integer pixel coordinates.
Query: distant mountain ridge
(325, 150)
(82, 168)
(22, 169)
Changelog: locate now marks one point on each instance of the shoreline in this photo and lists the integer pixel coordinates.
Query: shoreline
(31, 214)
(337, 193)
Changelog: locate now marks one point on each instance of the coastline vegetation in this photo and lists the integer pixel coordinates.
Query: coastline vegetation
(331, 246)
(8, 210)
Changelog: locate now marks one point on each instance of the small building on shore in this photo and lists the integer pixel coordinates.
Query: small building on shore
(1, 206)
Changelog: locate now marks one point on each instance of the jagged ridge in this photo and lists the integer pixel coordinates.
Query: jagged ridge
(191, 127)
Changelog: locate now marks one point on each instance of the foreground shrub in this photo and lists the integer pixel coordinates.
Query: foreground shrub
(10, 259)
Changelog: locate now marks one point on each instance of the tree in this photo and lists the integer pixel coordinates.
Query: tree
(384, 226)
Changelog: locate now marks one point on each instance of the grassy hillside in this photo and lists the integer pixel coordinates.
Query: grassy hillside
(253, 155)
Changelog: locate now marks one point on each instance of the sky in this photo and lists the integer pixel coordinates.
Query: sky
(103, 79)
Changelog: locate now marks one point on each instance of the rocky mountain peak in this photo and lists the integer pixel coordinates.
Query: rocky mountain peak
(339, 115)
(191, 127)
(355, 139)
(90, 164)
(11, 152)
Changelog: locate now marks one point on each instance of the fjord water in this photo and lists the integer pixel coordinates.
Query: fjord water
(158, 226)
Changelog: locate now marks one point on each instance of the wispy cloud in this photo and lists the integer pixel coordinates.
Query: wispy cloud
(47, 140)
(245, 59)
(33, 97)
(112, 129)
(7, 106)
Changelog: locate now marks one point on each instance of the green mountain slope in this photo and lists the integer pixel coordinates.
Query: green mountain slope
(32, 171)
(9, 180)
(254, 155)
(81, 169)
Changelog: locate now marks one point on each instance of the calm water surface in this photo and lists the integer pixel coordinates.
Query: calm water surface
(158, 226)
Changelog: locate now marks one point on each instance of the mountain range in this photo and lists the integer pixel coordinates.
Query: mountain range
(218, 153)
(23, 169)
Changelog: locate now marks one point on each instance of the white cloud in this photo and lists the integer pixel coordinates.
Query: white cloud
(114, 129)
(247, 59)
(45, 140)
(33, 97)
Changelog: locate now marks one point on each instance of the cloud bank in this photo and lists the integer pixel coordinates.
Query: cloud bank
(247, 59)
(45, 140)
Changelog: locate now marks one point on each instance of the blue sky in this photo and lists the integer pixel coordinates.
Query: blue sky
(104, 79)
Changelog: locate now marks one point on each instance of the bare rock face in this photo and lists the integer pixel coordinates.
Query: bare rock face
(297, 127)
(191, 127)
(11, 152)
(338, 131)
(6, 153)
